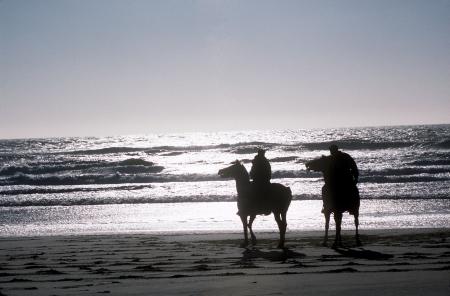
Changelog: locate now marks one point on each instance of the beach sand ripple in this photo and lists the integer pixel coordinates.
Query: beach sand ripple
(407, 262)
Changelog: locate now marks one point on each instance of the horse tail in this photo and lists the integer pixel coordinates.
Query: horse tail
(281, 197)
(289, 196)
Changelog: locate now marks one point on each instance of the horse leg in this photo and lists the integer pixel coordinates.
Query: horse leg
(283, 232)
(338, 221)
(244, 224)
(327, 226)
(250, 223)
(280, 229)
(358, 241)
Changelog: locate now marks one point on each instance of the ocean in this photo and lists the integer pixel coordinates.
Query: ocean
(168, 183)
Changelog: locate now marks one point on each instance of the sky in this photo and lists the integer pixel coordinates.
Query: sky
(105, 67)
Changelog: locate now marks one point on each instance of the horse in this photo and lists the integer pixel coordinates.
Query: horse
(276, 200)
(336, 199)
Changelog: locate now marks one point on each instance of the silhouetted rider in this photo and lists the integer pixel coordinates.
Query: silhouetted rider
(343, 169)
(261, 171)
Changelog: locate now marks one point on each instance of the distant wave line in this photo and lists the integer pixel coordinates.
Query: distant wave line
(250, 147)
(389, 176)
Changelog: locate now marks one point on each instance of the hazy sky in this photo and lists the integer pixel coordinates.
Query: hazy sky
(126, 67)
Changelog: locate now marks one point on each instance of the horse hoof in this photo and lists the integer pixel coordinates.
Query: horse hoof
(254, 242)
(243, 245)
(358, 243)
(280, 246)
(324, 244)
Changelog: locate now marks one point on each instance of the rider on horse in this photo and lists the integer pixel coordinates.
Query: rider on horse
(261, 173)
(343, 175)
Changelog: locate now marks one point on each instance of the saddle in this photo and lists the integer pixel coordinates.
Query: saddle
(261, 197)
(342, 198)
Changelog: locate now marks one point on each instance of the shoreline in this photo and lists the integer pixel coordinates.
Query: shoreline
(211, 217)
(390, 262)
(226, 234)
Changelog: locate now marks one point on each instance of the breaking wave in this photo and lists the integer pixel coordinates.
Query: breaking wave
(106, 200)
(357, 145)
(130, 166)
(251, 147)
(117, 178)
(444, 144)
(134, 175)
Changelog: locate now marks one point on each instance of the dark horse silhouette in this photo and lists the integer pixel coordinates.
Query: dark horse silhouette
(337, 199)
(249, 204)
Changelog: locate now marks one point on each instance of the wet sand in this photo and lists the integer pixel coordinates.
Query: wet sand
(390, 262)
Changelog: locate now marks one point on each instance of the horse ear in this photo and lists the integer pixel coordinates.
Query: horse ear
(237, 161)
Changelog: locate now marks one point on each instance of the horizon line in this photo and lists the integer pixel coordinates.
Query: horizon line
(224, 131)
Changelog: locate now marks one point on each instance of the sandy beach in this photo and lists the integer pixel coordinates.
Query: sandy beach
(391, 262)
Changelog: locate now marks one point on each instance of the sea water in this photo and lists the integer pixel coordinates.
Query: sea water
(169, 182)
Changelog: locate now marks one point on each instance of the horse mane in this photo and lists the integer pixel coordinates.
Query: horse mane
(244, 171)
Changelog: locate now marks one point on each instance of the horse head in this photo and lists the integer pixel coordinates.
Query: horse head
(236, 171)
(318, 164)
